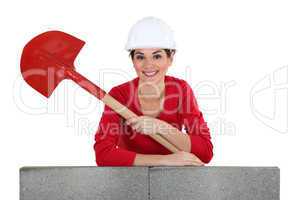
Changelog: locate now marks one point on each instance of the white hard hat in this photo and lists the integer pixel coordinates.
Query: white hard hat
(150, 32)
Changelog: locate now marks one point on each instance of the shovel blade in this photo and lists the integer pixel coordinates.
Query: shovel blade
(46, 58)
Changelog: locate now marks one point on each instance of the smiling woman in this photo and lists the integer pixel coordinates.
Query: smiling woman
(151, 64)
(154, 57)
(164, 104)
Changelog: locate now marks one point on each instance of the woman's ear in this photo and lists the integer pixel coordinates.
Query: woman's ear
(172, 56)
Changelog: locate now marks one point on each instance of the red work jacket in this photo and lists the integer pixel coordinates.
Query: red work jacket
(116, 144)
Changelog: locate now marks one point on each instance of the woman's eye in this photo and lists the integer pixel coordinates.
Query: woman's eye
(157, 56)
(139, 57)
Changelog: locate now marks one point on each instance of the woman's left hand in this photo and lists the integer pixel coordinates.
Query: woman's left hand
(147, 125)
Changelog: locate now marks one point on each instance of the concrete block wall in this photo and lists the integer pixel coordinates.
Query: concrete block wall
(93, 183)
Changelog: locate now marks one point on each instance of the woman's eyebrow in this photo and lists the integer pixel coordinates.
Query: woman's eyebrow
(139, 53)
(159, 51)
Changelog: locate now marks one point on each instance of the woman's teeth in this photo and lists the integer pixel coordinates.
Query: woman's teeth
(150, 74)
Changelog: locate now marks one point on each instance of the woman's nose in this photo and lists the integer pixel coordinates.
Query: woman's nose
(148, 63)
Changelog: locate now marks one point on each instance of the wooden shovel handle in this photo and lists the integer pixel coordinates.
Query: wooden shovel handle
(126, 113)
(113, 104)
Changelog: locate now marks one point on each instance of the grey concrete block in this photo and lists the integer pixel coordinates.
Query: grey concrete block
(83, 183)
(232, 183)
(214, 183)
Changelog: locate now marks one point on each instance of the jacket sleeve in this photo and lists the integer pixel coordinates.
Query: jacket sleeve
(194, 124)
(107, 137)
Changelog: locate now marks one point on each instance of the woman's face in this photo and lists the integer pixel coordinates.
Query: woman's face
(151, 65)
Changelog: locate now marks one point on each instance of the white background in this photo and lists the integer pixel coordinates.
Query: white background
(240, 57)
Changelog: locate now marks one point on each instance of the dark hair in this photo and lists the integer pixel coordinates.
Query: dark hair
(168, 52)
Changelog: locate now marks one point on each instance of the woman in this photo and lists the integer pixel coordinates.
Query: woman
(164, 104)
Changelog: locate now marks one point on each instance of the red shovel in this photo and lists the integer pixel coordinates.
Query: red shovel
(48, 59)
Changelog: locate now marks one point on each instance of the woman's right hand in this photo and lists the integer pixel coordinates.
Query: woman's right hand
(181, 158)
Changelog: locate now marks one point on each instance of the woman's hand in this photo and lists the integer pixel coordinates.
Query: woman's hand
(181, 158)
(147, 125)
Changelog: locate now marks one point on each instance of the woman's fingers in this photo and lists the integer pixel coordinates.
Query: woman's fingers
(196, 163)
(191, 163)
(135, 127)
(199, 162)
(194, 160)
(130, 121)
(182, 158)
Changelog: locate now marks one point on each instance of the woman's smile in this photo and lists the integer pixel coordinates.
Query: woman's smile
(151, 73)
